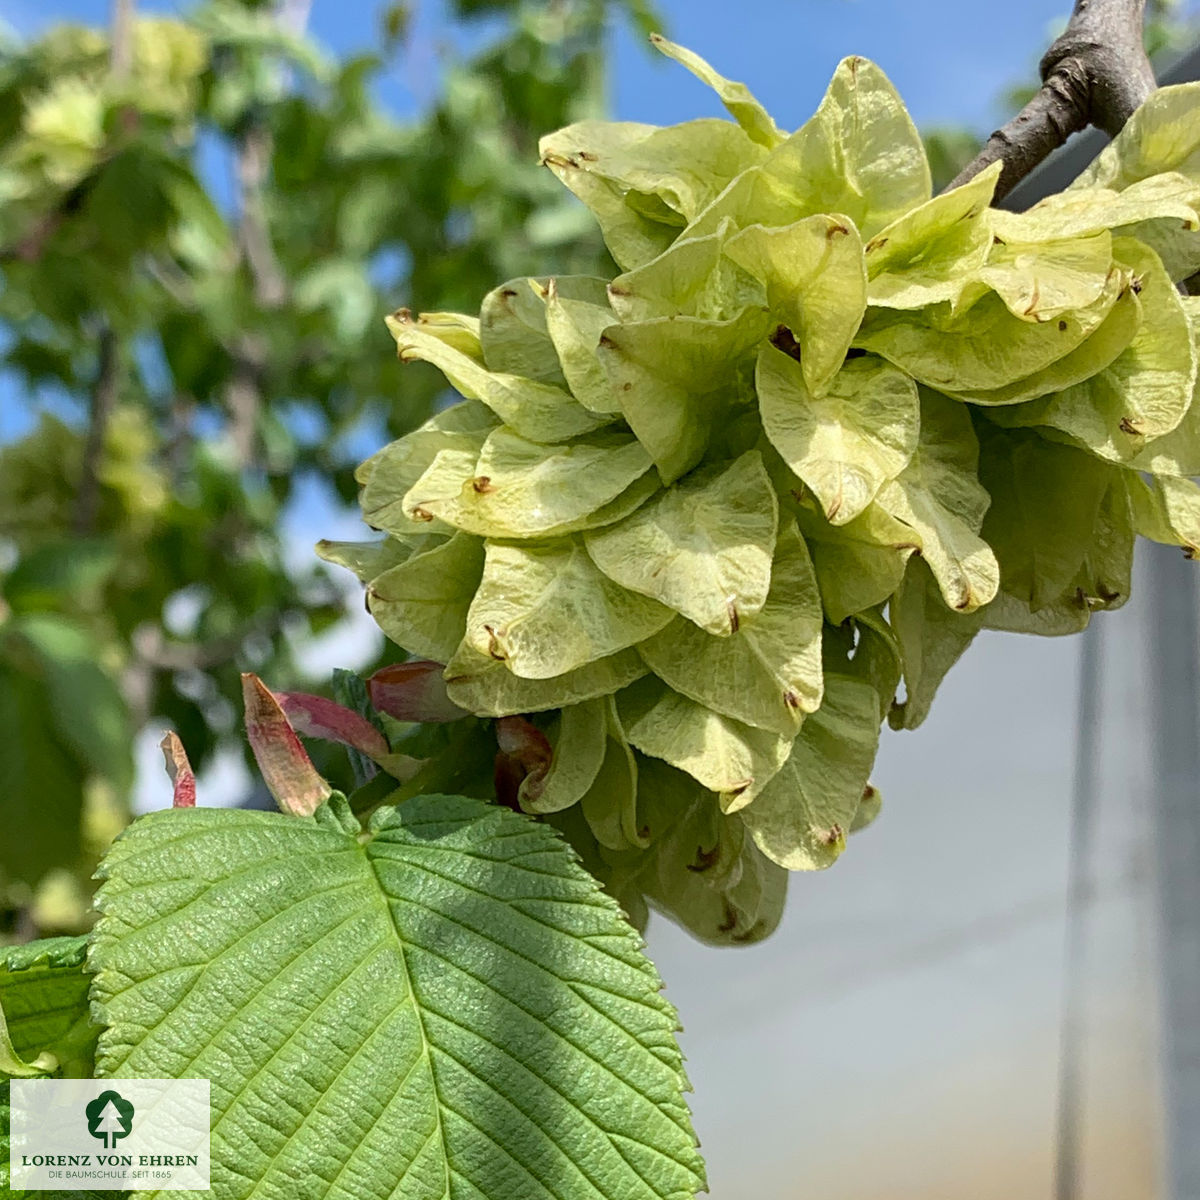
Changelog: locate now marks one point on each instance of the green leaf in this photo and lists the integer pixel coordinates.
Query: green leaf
(725, 756)
(544, 609)
(939, 497)
(702, 547)
(41, 780)
(930, 254)
(89, 712)
(802, 817)
(486, 687)
(422, 604)
(534, 410)
(816, 283)
(860, 154)
(61, 575)
(736, 97)
(677, 379)
(444, 1005)
(848, 443)
(44, 1004)
(932, 639)
(767, 672)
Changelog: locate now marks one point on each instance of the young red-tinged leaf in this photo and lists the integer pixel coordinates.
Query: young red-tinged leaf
(525, 757)
(183, 778)
(413, 691)
(317, 717)
(286, 768)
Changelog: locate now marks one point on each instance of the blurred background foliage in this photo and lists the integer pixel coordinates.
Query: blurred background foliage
(195, 349)
(202, 222)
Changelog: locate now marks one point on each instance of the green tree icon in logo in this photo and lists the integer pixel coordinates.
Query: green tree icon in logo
(109, 1116)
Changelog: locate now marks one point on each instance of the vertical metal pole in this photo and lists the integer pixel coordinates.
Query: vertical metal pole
(1068, 1138)
(1175, 711)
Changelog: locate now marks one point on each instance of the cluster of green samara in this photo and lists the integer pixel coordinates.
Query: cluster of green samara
(699, 522)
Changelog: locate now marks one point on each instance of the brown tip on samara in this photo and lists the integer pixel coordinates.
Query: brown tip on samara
(507, 293)
(403, 315)
(495, 646)
(1130, 427)
(834, 230)
(421, 514)
(482, 484)
(607, 342)
(869, 792)
(705, 859)
(729, 924)
(1191, 552)
(734, 620)
(791, 699)
(832, 835)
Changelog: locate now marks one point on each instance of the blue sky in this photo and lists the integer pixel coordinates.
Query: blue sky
(949, 58)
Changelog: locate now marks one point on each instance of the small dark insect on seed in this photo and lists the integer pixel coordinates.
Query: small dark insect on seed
(1062, 327)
